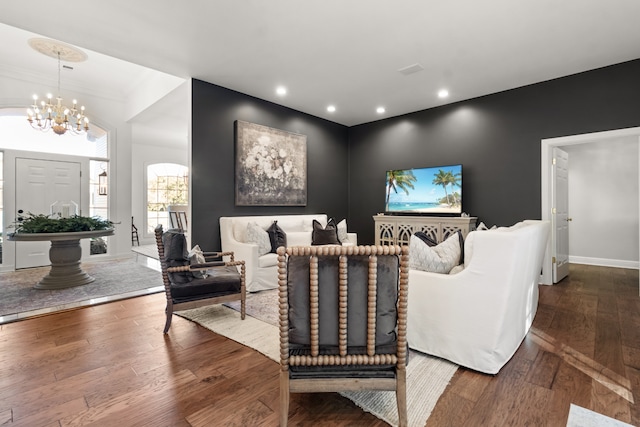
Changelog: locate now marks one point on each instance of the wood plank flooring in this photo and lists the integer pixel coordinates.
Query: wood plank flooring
(110, 365)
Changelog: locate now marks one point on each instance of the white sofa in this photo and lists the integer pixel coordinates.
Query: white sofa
(261, 271)
(478, 317)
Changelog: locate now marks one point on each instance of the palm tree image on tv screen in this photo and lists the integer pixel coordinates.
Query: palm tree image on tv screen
(435, 190)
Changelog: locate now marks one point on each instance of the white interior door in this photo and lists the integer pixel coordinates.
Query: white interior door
(560, 214)
(39, 184)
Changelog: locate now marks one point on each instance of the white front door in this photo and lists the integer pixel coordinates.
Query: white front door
(39, 184)
(560, 214)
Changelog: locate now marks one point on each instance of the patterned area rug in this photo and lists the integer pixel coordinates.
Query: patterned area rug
(427, 377)
(122, 278)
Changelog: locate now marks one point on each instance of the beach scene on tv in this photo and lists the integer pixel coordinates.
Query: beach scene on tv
(425, 190)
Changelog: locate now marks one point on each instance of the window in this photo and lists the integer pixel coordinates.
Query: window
(18, 135)
(167, 184)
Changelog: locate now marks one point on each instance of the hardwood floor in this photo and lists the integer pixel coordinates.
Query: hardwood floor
(111, 365)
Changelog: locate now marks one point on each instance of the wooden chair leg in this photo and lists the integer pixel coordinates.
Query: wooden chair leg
(284, 398)
(401, 397)
(243, 304)
(169, 312)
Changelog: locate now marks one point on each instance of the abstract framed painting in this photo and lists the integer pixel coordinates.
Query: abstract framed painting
(271, 166)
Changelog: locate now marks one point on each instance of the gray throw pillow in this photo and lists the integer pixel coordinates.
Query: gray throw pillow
(277, 236)
(324, 235)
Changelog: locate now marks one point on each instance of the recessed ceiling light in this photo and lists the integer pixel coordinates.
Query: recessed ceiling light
(380, 110)
(443, 93)
(281, 90)
(331, 108)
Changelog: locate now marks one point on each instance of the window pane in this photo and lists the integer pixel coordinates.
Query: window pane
(167, 184)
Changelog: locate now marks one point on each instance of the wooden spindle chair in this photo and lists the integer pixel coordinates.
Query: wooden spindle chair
(343, 321)
(184, 288)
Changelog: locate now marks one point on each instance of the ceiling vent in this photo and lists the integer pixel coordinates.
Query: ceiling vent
(410, 69)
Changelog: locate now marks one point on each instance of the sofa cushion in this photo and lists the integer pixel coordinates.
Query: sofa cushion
(277, 236)
(327, 235)
(299, 238)
(257, 235)
(268, 260)
(219, 281)
(290, 223)
(437, 259)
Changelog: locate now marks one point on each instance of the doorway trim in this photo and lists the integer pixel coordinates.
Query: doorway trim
(546, 157)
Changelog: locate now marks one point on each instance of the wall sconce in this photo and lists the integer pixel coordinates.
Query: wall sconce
(102, 184)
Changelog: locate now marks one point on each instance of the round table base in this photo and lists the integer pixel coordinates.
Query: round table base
(65, 266)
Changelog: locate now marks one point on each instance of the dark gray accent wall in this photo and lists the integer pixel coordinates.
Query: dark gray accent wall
(495, 137)
(214, 111)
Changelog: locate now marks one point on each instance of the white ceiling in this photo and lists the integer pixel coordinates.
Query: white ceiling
(344, 53)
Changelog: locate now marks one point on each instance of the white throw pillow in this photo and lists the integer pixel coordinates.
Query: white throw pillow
(259, 236)
(437, 259)
(196, 256)
(342, 232)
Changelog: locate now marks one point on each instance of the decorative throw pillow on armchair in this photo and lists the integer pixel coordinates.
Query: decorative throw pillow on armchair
(440, 258)
(196, 256)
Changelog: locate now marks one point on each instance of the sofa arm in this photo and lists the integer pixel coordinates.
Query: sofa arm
(246, 252)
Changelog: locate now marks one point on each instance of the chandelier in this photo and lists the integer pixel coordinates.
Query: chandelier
(52, 113)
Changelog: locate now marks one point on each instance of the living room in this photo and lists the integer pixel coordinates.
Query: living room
(495, 136)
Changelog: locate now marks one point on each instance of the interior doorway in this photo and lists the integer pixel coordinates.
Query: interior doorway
(560, 214)
(547, 186)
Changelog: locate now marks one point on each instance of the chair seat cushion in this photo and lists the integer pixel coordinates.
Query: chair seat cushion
(219, 281)
(343, 371)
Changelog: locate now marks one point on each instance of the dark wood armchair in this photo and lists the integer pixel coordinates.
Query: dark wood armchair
(343, 318)
(188, 285)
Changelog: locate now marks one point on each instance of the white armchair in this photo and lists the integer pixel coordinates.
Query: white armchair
(477, 318)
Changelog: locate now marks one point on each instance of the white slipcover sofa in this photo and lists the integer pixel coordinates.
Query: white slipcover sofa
(261, 270)
(478, 317)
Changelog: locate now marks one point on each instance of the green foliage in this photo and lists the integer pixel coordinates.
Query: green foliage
(32, 223)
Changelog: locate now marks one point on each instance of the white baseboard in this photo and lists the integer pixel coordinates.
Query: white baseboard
(605, 262)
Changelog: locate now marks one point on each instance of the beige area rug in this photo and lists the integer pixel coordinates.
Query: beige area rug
(427, 377)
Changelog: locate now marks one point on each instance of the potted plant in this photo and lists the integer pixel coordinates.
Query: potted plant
(40, 223)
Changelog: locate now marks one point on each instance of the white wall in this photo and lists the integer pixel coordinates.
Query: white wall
(160, 135)
(603, 202)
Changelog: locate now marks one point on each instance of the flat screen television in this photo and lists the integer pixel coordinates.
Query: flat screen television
(426, 191)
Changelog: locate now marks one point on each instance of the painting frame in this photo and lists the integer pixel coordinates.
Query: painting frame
(270, 166)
